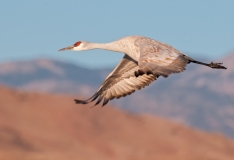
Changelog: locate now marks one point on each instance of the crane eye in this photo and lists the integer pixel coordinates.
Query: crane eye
(77, 44)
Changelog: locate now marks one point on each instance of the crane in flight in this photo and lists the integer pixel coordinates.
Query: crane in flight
(144, 60)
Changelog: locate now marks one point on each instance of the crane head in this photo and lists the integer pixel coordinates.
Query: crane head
(78, 46)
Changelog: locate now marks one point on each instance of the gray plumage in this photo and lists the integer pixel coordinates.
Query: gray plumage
(144, 61)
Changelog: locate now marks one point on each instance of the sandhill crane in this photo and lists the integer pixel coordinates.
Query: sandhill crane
(144, 61)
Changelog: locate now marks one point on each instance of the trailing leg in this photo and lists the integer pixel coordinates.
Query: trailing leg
(211, 65)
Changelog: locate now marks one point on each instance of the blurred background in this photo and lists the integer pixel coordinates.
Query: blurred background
(186, 116)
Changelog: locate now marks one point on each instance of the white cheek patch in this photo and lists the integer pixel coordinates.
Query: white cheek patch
(81, 45)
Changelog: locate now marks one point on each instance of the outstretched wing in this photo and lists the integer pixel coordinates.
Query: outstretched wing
(160, 58)
(120, 82)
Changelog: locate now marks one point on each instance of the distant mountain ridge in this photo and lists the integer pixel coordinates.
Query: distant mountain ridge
(49, 76)
(200, 96)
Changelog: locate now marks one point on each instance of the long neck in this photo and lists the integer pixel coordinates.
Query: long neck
(112, 46)
(117, 46)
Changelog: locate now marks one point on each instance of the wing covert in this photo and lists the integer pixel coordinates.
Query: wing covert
(160, 58)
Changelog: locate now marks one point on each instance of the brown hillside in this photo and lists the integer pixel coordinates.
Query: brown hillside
(39, 126)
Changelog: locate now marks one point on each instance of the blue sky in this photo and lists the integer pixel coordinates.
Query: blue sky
(37, 29)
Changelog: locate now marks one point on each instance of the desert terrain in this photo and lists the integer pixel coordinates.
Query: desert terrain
(37, 126)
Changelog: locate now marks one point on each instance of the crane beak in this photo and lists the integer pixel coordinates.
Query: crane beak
(66, 48)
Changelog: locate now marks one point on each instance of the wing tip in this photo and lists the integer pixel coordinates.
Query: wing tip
(77, 101)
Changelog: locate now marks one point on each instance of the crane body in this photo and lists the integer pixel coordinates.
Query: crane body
(144, 60)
